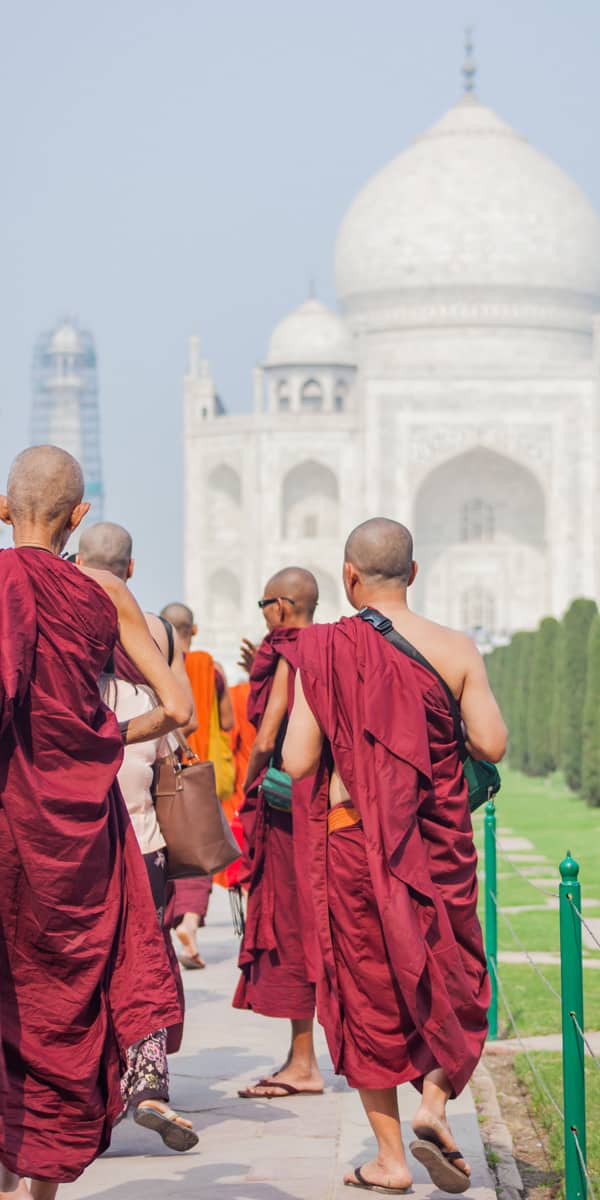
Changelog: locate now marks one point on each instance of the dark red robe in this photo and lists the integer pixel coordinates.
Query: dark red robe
(402, 985)
(83, 969)
(274, 975)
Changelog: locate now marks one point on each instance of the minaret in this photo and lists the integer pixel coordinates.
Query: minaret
(469, 67)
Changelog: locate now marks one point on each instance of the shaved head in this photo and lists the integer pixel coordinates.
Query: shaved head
(381, 551)
(107, 547)
(45, 484)
(180, 616)
(298, 585)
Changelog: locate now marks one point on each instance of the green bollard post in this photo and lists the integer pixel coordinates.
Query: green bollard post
(491, 913)
(571, 976)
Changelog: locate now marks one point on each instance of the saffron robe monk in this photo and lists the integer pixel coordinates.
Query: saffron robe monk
(274, 975)
(402, 988)
(189, 905)
(78, 935)
(241, 739)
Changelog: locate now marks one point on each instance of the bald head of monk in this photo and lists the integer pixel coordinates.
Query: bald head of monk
(378, 558)
(44, 498)
(107, 547)
(182, 619)
(290, 598)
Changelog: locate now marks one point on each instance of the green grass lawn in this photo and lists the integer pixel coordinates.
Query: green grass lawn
(550, 1069)
(554, 820)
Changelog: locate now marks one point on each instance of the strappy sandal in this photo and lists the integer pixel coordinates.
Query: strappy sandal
(166, 1124)
(380, 1188)
(287, 1089)
(439, 1164)
(191, 960)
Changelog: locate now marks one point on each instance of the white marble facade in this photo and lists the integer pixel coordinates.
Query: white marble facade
(457, 391)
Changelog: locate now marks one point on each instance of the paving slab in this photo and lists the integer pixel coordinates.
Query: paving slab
(296, 1148)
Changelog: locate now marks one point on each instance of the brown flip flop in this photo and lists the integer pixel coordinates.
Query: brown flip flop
(287, 1088)
(439, 1164)
(166, 1124)
(380, 1188)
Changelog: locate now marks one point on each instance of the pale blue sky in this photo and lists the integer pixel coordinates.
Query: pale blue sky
(179, 166)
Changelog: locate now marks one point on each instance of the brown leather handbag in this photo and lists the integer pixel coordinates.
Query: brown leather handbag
(190, 815)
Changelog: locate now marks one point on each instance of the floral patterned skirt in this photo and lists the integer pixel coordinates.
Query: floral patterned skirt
(146, 1076)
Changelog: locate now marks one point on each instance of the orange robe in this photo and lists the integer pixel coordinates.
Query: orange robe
(201, 674)
(242, 739)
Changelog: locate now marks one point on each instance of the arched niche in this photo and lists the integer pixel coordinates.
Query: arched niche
(310, 502)
(224, 501)
(329, 606)
(224, 600)
(479, 528)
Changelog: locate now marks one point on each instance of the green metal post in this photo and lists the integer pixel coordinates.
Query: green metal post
(491, 914)
(571, 976)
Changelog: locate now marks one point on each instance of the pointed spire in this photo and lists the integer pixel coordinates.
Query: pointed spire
(469, 67)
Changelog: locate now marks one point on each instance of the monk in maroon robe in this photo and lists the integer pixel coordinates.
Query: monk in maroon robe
(83, 968)
(402, 989)
(274, 974)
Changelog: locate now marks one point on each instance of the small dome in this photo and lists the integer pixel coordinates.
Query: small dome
(66, 340)
(312, 335)
(471, 209)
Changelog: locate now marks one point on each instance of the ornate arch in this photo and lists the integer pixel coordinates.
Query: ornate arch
(310, 502)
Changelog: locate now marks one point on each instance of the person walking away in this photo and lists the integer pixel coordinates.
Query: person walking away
(188, 909)
(274, 976)
(402, 988)
(78, 935)
(145, 1084)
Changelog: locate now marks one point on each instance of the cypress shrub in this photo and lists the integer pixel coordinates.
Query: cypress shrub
(557, 696)
(541, 760)
(519, 694)
(590, 760)
(576, 629)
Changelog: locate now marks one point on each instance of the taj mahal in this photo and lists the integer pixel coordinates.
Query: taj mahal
(456, 389)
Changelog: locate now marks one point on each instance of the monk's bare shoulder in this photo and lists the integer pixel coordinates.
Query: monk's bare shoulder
(114, 587)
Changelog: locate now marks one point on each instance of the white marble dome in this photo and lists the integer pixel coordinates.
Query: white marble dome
(66, 340)
(469, 210)
(311, 335)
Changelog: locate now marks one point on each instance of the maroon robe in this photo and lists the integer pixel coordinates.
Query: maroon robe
(402, 986)
(83, 969)
(274, 976)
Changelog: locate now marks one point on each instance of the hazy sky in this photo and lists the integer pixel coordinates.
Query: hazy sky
(179, 166)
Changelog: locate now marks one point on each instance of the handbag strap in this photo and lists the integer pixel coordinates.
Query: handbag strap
(384, 626)
(168, 628)
(184, 745)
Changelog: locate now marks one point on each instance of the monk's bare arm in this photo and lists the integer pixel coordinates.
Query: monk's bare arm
(159, 634)
(486, 733)
(226, 717)
(303, 743)
(266, 737)
(173, 709)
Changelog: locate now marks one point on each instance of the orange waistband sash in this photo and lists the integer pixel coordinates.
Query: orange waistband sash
(342, 817)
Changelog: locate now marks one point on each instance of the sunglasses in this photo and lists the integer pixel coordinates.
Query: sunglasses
(275, 600)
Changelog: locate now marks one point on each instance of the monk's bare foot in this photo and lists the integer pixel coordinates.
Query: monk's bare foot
(289, 1081)
(427, 1125)
(175, 1131)
(391, 1175)
(191, 960)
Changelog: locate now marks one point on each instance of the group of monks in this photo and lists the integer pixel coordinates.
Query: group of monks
(344, 776)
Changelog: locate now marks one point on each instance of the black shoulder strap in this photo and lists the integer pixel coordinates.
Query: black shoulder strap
(170, 639)
(384, 626)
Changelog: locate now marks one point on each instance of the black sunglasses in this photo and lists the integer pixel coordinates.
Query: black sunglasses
(275, 600)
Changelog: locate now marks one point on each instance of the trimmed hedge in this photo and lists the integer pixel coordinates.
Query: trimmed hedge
(547, 683)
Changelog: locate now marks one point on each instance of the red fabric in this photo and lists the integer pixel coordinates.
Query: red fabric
(391, 734)
(188, 896)
(274, 974)
(83, 969)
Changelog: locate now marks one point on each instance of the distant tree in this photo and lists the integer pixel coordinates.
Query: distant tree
(519, 695)
(576, 629)
(590, 757)
(557, 696)
(541, 760)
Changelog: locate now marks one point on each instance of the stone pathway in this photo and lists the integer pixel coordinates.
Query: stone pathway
(292, 1149)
